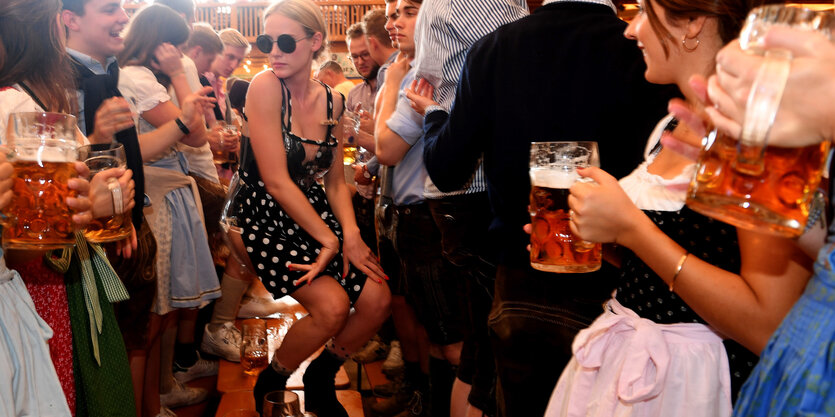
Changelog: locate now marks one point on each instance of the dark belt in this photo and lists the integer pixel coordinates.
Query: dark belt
(408, 209)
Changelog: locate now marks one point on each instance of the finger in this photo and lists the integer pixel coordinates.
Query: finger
(82, 219)
(696, 121)
(346, 264)
(78, 204)
(722, 102)
(732, 60)
(801, 43)
(724, 124)
(82, 169)
(680, 147)
(300, 267)
(528, 228)
(80, 185)
(6, 198)
(375, 271)
(598, 175)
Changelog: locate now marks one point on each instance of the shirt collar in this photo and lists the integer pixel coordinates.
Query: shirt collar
(90, 63)
(603, 2)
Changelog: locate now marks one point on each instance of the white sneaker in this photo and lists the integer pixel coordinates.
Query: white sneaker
(258, 307)
(393, 365)
(200, 369)
(373, 351)
(166, 412)
(181, 396)
(225, 342)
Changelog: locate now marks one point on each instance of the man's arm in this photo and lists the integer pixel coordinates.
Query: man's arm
(394, 131)
(454, 142)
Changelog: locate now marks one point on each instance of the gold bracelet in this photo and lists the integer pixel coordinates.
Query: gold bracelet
(679, 265)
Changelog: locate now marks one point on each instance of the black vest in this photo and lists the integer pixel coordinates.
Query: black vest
(100, 87)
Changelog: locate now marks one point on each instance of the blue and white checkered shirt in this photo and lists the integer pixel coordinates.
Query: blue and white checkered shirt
(445, 31)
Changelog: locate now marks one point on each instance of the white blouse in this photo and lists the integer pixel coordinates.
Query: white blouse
(652, 192)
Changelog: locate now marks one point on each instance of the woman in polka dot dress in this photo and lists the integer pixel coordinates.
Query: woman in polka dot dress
(302, 239)
(688, 283)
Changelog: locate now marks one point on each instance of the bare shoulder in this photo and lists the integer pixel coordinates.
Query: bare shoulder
(264, 88)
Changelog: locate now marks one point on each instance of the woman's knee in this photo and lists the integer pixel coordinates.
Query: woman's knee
(375, 301)
(331, 314)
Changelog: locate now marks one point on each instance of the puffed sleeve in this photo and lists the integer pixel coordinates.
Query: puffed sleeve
(140, 84)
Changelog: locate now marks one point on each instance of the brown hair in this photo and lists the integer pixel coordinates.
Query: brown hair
(354, 31)
(730, 15)
(374, 25)
(31, 52)
(305, 13)
(205, 37)
(150, 27)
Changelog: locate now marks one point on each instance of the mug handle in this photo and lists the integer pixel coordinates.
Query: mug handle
(761, 110)
(116, 195)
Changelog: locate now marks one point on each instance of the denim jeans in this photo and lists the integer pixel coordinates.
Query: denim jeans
(534, 318)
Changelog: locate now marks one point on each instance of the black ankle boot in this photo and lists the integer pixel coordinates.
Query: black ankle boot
(319, 390)
(268, 381)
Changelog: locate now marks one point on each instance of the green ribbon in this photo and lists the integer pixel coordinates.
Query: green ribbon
(91, 263)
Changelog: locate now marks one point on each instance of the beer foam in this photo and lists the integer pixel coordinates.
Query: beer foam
(553, 178)
(45, 152)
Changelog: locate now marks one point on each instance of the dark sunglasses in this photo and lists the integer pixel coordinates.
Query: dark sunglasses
(286, 43)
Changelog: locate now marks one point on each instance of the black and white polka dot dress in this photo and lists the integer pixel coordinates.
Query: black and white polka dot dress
(272, 238)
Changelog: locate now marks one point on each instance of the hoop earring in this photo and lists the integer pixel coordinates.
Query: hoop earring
(688, 48)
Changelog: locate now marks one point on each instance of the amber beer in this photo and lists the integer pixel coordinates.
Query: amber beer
(38, 216)
(117, 226)
(554, 248)
(772, 195)
(254, 361)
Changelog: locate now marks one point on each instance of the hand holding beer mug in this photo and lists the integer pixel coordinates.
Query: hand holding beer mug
(116, 226)
(553, 169)
(42, 148)
(230, 136)
(747, 183)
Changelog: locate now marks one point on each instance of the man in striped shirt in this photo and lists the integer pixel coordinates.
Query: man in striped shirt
(445, 31)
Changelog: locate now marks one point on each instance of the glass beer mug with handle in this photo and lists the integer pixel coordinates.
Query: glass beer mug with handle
(254, 346)
(42, 148)
(553, 169)
(117, 226)
(747, 183)
(281, 404)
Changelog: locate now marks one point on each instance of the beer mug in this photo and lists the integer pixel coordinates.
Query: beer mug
(117, 226)
(222, 156)
(553, 169)
(747, 183)
(254, 346)
(42, 148)
(281, 404)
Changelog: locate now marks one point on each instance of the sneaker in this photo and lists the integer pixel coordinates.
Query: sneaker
(200, 369)
(166, 412)
(258, 307)
(393, 365)
(181, 396)
(225, 342)
(374, 351)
